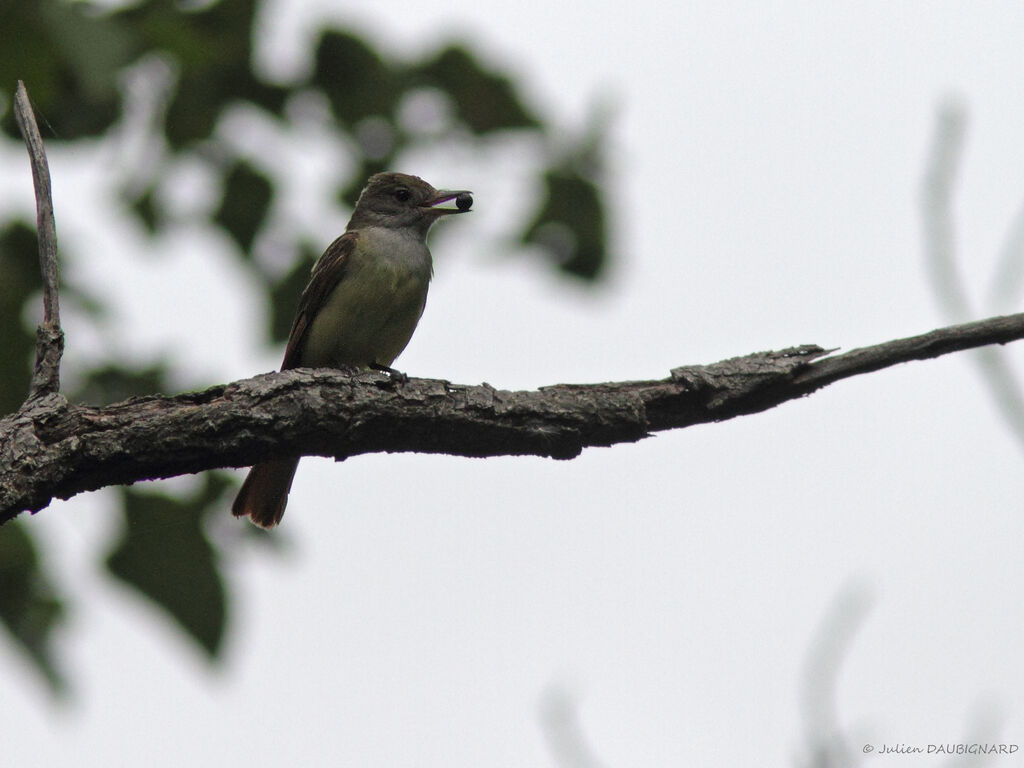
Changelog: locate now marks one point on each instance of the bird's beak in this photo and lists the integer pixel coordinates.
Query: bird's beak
(463, 201)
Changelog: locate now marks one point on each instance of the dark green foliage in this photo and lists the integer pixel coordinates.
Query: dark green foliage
(284, 295)
(485, 101)
(71, 59)
(355, 78)
(164, 554)
(245, 204)
(570, 224)
(19, 279)
(114, 383)
(29, 606)
(211, 49)
(144, 207)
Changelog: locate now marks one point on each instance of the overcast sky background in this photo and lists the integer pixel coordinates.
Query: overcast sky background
(766, 163)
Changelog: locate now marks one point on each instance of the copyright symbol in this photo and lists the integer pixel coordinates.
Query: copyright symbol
(868, 749)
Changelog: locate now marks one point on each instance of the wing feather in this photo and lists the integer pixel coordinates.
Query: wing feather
(328, 270)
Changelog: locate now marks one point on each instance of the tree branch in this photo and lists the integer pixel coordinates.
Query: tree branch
(49, 336)
(51, 448)
(55, 449)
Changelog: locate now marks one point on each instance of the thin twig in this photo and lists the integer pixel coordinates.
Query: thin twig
(49, 336)
(955, 338)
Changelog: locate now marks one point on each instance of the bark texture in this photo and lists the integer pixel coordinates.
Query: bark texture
(52, 448)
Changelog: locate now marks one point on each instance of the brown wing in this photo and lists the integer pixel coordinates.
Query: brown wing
(329, 269)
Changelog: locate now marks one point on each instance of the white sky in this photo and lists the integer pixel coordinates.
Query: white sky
(766, 163)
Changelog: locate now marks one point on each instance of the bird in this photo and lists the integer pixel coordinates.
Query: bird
(365, 296)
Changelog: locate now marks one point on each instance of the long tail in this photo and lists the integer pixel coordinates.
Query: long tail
(264, 493)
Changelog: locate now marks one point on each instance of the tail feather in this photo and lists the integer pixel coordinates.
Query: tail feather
(264, 494)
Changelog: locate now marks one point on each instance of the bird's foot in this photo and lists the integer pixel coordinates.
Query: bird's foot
(396, 376)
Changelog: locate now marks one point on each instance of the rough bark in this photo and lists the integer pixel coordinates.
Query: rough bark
(55, 449)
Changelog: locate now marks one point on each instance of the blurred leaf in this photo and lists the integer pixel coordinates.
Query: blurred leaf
(212, 48)
(284, 294)
(19, 281)
(570, 224)
(29, 607)
(246, 202)
(484, 100)
(69, 57)
(358, 83)
(144, 207)
(114, 383)
(165, 554)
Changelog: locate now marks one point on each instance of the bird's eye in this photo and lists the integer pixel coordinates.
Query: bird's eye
(402, 194)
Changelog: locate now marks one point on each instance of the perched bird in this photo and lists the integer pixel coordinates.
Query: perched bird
(364, 298)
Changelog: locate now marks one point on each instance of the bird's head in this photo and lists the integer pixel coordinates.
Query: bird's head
(399, 201)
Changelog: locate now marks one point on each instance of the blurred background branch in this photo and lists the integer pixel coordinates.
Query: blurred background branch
(944, 268)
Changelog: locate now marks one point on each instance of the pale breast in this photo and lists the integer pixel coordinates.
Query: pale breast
(372, 312)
